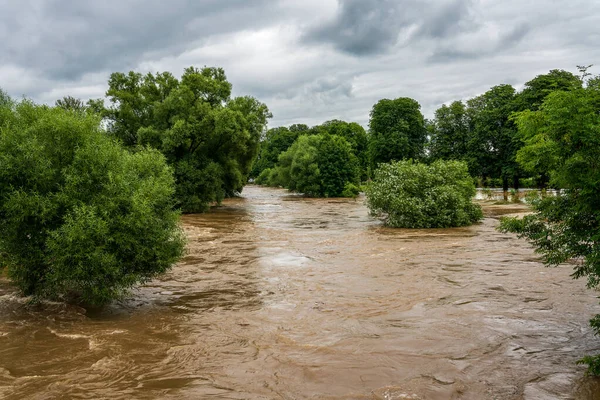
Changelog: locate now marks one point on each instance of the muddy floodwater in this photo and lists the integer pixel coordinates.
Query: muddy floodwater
(281, 297)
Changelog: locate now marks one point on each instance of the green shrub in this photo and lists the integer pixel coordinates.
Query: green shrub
(412, 195)
(351, 190)
(263, 178)
(81, 218)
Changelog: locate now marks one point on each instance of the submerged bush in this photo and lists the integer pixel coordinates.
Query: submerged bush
(81, 218)
(412, 195)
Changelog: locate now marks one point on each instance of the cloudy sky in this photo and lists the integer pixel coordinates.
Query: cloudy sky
(308, 60)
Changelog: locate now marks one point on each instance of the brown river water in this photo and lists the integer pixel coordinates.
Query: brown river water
(282, 297)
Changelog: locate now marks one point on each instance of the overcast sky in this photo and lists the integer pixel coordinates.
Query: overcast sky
(308, 60)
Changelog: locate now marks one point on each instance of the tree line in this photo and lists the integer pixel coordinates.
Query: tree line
(481, 131)
(90, 194)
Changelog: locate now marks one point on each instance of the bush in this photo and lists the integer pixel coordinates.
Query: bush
(351, 190)
(412, 195)
(80, 217)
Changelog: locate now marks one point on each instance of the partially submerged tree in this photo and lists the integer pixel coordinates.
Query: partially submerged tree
(354, 134)
(406, 194)
(564, 137)
(317, 165)
(208, 138)
(81, 218)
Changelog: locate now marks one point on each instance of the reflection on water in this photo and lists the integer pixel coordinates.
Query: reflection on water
(285, 297)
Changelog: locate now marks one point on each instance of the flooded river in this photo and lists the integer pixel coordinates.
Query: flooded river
(281, 297)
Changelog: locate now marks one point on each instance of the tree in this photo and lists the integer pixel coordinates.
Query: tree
(449, 133)
(354, 134)
(494, 141)
(71, 103)
(407, 194)
(81, 218)
(397, 131)
(277, 140)
(564, 137)
(208, 138)
(532, 97)
(536, 90)
(317, 165)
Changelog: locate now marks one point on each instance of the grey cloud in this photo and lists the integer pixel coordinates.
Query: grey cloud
(456, 51)
(304, 68)
(449, 19)
(367, 27)
(64, 39)
(361, 27)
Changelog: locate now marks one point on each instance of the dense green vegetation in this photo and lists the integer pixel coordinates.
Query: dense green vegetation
(407, 194)
(397, 131)
(482, 131)
(81, 218)
(209, 139)
(321, 165)
(562, 138)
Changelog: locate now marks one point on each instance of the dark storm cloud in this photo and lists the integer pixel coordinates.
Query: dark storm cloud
(361, 27)
(366, 27)
(64, 39)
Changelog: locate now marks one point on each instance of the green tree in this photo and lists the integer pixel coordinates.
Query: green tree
(71, 103)
(396, 131)
(406, 194)
(493, 141)
(81, 218)
(564, 136)
(317, 165)
(449, 133)
(354, 134)
(531, 98)
(536, 90)
(208, 138)
(5, 99)
(276, 141)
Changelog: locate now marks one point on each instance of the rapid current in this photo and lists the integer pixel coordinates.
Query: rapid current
(282, 297)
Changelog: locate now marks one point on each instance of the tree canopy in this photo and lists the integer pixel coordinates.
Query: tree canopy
(320, 165)
(563, 136)
(81, 217)
(397, 131)
(208, 138)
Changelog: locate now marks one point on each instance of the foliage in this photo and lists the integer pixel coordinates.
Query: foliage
(351, 190)
(277, 140)
(354, 134)
(449, 133)
(407, 194)
(397, 131)
(494, 140)
(71, 103)
(209, 139)
(5, 99)
(537, 89)
(316, 165)
(564, 134)
(81, 217)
